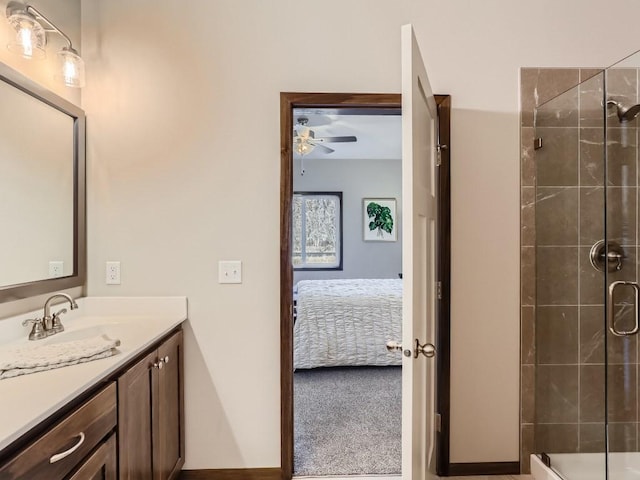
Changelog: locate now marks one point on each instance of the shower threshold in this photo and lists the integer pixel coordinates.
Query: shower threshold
(587, 466)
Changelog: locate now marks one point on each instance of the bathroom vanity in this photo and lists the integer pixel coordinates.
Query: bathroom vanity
(117, 417)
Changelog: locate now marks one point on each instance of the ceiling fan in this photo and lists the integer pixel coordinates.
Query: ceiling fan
(305, 140)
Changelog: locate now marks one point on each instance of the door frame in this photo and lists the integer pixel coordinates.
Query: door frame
(289, 101)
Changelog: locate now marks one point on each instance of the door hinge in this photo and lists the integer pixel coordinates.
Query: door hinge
(438, 422)
(439, 149)
(439, 290)
(537, 143)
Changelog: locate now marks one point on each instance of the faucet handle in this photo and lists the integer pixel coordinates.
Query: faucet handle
(30, 321)
(56, 324)
(38, 331)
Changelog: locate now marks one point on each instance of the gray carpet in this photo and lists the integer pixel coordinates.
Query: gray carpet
(347, 421)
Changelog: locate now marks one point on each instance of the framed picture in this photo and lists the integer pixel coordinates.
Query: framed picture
(380, 223)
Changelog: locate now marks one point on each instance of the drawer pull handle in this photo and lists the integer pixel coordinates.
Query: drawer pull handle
(59, 456)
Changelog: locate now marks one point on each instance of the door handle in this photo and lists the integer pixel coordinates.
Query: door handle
(394, 346)
(610, 309)
(428, 349)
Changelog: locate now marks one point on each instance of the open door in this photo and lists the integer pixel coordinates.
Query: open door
(419, 219)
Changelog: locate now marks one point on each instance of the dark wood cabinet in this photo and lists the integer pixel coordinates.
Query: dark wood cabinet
(66, 444)
(101, 465)
(129, 428)
(169, 413)
(151, 415)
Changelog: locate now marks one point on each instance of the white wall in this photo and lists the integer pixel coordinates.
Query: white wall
(184, 171)
(65, 14)
(356, 179)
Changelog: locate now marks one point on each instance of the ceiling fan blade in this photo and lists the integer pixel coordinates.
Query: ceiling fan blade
(337, 139)
(323, 147)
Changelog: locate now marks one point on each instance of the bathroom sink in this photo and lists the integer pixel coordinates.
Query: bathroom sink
(81, 333)
(81, 328)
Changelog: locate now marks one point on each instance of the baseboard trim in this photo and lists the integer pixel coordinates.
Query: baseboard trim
(233, 474)
(494, 468)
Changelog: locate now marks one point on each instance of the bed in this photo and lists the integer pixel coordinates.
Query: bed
(346, 322)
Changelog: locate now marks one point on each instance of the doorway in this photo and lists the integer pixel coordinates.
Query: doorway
(372, 103)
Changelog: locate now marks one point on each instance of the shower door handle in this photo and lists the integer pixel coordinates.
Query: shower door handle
(610, 312)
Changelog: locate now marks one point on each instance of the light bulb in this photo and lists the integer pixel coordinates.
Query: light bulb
(301, 144)
(25, 38)
(303, 148)
(71, 68)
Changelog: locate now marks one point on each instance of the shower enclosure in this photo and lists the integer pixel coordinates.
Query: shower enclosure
(585, 358)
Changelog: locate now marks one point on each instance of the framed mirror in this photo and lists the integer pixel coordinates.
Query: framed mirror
(42, 189)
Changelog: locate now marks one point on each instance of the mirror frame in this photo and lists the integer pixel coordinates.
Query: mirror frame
(24, 290)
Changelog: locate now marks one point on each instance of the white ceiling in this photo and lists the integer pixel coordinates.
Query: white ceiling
(379, 136)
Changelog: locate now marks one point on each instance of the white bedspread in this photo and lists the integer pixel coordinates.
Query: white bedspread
(347, 322)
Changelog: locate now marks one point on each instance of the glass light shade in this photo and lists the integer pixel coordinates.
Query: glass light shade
(70, 68)
(303, 147)
(30, 37)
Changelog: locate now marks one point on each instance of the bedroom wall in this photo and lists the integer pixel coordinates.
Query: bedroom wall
(356, 179)
(184, 171)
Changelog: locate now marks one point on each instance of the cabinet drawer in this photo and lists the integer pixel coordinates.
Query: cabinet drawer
(57, 452)
(101, 465)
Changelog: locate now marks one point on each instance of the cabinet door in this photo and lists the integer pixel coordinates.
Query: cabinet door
(169, 411)
(135, 420)
(101, 465)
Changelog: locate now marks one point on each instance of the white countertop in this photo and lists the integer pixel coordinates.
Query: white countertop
(137, 322)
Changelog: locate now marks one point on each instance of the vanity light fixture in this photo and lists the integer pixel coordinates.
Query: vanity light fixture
(31, 28)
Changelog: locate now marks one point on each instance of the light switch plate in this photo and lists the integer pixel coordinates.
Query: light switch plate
(229, 271)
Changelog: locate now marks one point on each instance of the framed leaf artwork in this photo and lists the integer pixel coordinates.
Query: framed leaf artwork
(380, 222)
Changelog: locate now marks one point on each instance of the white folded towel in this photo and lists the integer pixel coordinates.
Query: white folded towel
(34, 357)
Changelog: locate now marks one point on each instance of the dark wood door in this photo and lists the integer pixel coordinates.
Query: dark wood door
(169, 411)
(135, 420)
(101, 465)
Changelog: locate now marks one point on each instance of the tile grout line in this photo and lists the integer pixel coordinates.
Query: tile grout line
(579, 242)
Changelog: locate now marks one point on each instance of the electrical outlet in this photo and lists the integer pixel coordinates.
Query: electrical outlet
(56, 268)
(230, 271)
(113, 273)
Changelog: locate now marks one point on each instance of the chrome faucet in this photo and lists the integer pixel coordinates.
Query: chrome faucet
(52, 323)
(49, 324)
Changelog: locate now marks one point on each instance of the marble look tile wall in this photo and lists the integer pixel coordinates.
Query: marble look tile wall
(562, 295)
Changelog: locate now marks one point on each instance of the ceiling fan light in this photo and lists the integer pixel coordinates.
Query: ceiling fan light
(30, 38)
(303, 147)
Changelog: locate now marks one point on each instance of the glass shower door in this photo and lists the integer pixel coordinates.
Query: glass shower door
(570, 302)
(587, 298)
(620, 257)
